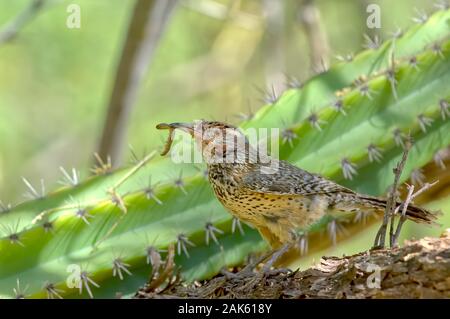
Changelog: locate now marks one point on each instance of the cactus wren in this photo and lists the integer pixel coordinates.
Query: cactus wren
(277, 201)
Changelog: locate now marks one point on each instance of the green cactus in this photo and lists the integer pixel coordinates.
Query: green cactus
(107, 226)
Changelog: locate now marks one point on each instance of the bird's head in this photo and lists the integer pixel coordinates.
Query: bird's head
(217, 141)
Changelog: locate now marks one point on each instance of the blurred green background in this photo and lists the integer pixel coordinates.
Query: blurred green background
(212, 61)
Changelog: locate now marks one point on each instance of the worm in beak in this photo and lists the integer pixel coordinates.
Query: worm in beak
(186, 127)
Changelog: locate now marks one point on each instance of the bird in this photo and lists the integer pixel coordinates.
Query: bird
(274, 196)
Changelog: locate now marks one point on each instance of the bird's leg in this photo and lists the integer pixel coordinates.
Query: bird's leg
(275, 255)
(247, 271)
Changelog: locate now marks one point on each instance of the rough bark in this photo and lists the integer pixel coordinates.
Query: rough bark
(419, 269)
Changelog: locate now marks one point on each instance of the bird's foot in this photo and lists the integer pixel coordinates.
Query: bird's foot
(249, 270)
(244, 273)
(278, 271)
(275, 255)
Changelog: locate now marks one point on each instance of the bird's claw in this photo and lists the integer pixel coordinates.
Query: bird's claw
(248, 270)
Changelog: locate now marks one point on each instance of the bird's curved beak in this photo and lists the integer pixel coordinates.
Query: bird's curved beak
(185, 127)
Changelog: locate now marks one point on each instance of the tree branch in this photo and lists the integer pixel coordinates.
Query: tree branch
(392, 199)
(274, 12)
(409, 198)
(147, 24)
(316, 36)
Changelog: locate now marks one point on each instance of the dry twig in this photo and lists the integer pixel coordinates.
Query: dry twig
(392, 199)
(410, 197)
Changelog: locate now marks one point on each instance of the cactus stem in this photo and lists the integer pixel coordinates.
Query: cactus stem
(210, 232)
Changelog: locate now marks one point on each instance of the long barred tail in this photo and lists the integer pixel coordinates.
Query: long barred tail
(414, 213)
